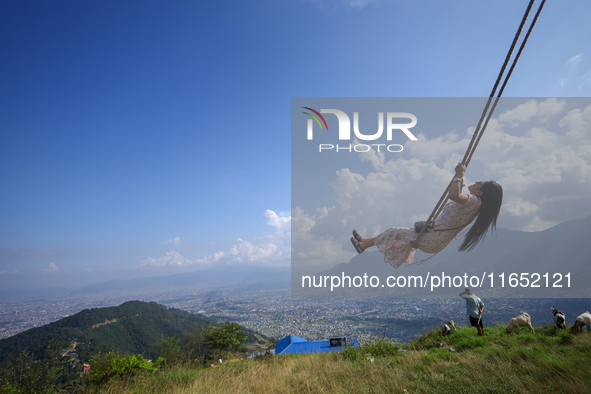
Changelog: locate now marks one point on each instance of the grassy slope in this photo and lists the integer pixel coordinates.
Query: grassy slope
(547, 361)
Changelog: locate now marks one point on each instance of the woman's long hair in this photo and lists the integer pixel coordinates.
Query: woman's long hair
(491, 199)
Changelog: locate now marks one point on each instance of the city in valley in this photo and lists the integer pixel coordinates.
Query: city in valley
(274, 313)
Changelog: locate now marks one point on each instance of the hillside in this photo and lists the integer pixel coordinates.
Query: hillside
(133, 327)
(548, 361)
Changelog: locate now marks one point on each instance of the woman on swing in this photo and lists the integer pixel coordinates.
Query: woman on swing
(483, 204)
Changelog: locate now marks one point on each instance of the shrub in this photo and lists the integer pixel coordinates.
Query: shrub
(380, 349)
(112, 365)
(374, 349)
(353, 354)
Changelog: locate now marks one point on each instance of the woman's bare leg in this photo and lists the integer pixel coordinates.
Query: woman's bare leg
(366, 243)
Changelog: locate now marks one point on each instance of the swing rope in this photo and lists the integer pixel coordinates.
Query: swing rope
(480, 130)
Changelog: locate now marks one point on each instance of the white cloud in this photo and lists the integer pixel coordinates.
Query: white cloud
(585, 79)
(577, 122)
(573, 61)
(269, 250)
(171, 259)
(374, 157)
(536, 224)
(302, 222)
(51, 269)
(174, 241)
(245, 251)
(9, 272)
(516, 206)
(318, 243)
(281, 221)
(574, 74)
(533, 109)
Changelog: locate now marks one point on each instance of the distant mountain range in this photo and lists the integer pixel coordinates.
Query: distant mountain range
(561, 249)
(133, 327)
(221, 275)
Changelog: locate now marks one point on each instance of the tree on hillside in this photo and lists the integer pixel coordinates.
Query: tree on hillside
(272, 342)
(25, 374)
(228, 336)
(195, 344)
(170, 350)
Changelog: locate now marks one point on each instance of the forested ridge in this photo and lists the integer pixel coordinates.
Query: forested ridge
(131, 328)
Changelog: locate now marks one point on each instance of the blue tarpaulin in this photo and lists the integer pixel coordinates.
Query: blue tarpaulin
(293, 344)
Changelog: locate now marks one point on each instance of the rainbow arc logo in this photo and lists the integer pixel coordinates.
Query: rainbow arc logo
(315, 118)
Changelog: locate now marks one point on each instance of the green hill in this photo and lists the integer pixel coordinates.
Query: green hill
(133, 327)
(548, 361)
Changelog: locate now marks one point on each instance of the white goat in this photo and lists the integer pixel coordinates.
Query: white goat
(447, 327)
(582, 320)
(523, 320)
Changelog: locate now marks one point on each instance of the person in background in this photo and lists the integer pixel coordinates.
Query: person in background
(475, 309)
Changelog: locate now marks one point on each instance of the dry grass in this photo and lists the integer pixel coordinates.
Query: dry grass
(545, 362)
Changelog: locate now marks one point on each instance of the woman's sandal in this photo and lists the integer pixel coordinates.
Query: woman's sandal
(357, 245)
(356, 235)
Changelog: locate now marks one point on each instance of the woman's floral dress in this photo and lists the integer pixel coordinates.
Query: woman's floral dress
(394, 243)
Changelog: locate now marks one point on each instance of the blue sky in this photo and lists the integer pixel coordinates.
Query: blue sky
(125, 125)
